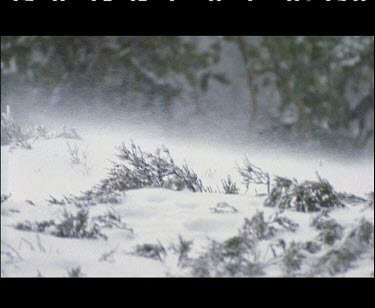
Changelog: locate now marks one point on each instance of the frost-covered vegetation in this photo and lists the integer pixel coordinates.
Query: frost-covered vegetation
(306, 197)
(253, 156)
(22, 137)
(305, 229)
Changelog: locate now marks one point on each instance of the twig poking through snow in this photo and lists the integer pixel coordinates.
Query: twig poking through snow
(252, 174)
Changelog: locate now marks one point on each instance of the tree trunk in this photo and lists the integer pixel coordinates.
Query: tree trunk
(241, 43)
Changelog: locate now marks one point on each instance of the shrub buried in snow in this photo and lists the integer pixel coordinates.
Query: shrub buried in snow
(252, 174)
(12, 134)
(141, 169)
(306, 197)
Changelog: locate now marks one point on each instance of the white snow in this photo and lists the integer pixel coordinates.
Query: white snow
(154, 214)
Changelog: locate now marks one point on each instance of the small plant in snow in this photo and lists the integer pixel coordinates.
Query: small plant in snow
(111, 220)
(5, 198)
(371, 199)
(261, 229)
(252, 174)
(152, 251)
(351, 199)
(330, 230)
(97, 195)
(78, 158)
(312, 247)
(258, 228)
(363, 233)
(306, 197)
(11, 133)
(331, 233)
(71, 226)
(229, 187)
(68, 133)
(359, 241)
(15, 136)
(77, 226)
(336, 261)
(236, 257)
(182, 249)
(40, 227)
(141, 169)
(293, 258)
(75, 272)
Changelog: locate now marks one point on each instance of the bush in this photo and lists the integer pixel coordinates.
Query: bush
(78, 158)
(351, 199)
(330, 230)
(306, 197)
(312, 247)
(111, 220)
(141, 169)
(252, 174)
(77, 226)
(11, 133)
(236, 257)
(336, 261)
(182, 249)
(371, 199)
(5, 198)
(260, 229)
(35, 227)
(97, 195)
(230, 188)
(359, 241)
(293, 258)
(71, 226)
(75, 272)
(152, 251)
(363, 233)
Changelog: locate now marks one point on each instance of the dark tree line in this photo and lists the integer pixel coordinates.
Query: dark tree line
(325, 85)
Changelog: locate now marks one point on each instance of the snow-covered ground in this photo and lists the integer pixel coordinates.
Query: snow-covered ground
(155, 214)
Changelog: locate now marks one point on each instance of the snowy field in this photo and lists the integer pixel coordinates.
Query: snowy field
(158, 216)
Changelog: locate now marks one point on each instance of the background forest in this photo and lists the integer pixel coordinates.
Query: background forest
(298, 90)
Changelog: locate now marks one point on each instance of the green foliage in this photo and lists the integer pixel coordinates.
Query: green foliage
(236, 257)
(141, 169)
(359, 241)
(106, 67)
(230, 187)
(312, 247)
(12, 133)
(77, 226)
(35, 227)
(363, 233)
(351, 199)
(75, 272)
(306, 197)
(337, 261)
(111, 220)
(152, 251)
(258, 228)
(252, 174)
(293, 258)
(371, 199)
(182, 249)
(313, 76)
